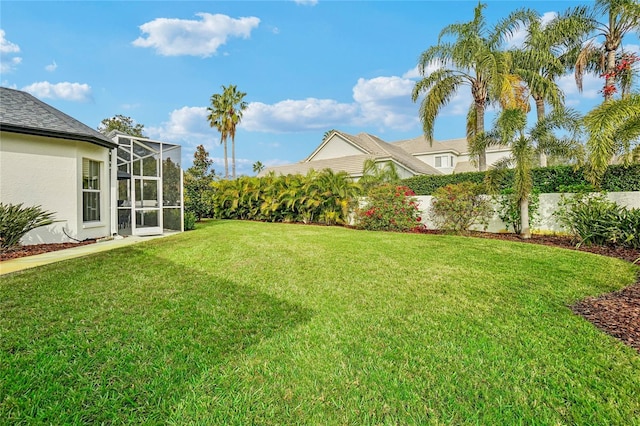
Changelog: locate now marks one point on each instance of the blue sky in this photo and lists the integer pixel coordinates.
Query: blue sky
(306, 66)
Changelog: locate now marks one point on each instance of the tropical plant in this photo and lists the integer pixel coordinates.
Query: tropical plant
(621, 18)
(549, 48)
(374, 174)
(16, 221)
(389, 207)
(475, 59)
(593, 219)
(225, 113)
(614, 132)
(458, 207)
(510, 129)
(508, 208)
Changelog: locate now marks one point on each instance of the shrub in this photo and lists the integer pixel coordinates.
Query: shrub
(389, 208)
(617, 178)
(189, 220)
(16, 221)
(593, 219)
(458, 207)
(509, 209)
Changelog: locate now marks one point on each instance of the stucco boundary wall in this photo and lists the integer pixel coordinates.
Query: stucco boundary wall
(545, 221)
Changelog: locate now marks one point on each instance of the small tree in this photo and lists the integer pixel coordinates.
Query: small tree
(16, 221)
(122, 124)
(458, 207)
(390, 207)
(197, 185)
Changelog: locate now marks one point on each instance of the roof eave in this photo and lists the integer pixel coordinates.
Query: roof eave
(58, 135)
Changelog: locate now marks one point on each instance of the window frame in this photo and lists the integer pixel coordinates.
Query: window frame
(91, 185)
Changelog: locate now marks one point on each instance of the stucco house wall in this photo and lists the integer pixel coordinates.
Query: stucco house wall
(38, 170)
(334, 148)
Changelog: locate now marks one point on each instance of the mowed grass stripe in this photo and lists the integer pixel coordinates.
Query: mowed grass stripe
(256, 323)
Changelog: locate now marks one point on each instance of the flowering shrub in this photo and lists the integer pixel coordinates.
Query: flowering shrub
(460, 206)
(390, 208)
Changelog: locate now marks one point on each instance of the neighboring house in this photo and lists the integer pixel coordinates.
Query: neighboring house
(52, 160)
(343, 152)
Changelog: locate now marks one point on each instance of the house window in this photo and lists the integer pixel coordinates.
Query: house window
(90, 190)
(444, 161)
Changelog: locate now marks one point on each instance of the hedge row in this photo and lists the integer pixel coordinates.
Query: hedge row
(546, 180)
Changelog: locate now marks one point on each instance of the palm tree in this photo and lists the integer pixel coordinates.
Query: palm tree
(373, 174)
(258, 167)
(622, 17)
(510, 129)
(476, 60)
(225, 113)
(547, 51)
(614, 130)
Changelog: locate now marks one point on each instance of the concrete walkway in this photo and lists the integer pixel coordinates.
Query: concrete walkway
(14, 265)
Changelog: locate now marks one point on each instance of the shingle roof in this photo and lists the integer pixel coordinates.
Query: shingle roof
(374, 147)
(352, 164)
(21, 112)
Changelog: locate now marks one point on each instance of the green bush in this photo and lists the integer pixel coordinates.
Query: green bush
(389, 207)
(545, 180)
(189, 220)
(458, 207)
(594, 220)
(16, 221)
(509, 209)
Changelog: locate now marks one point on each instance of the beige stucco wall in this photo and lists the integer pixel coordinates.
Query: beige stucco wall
(545, 221)
(336, 147)
(430, 159)
(36, 170)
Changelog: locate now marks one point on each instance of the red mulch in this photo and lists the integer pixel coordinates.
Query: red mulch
(617, 314)
(34, 249)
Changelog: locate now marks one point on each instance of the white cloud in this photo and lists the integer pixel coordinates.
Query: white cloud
(306, 2)
(7, 62)
(297, 115)
(174, 37)
(6, 46)
(184, 125)
(386, 101)
(66, 91)
(633, 48)
(51, 67)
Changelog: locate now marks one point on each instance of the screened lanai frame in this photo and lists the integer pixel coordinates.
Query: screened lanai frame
(149, 189)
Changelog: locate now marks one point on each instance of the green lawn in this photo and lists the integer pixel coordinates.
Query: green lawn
(254, 323)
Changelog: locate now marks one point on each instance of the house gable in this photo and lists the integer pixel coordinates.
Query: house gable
(335, 146)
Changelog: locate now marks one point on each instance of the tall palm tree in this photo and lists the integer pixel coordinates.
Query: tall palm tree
(510, 129)
(546, 53)
(225, 113)
(622, 17)
(475, 59)
(614, 130)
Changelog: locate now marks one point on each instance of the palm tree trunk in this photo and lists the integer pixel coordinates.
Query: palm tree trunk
(226, 160)
(233, 155)
(540, 111)
(525, 231)
(482, 158)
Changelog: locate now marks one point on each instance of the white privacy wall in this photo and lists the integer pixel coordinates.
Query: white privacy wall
(545, 221)
(36, 170)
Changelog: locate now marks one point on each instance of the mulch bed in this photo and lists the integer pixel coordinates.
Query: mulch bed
(32, 250)
(617, 314)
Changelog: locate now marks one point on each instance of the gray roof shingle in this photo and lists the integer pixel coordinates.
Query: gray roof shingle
(23, 113)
